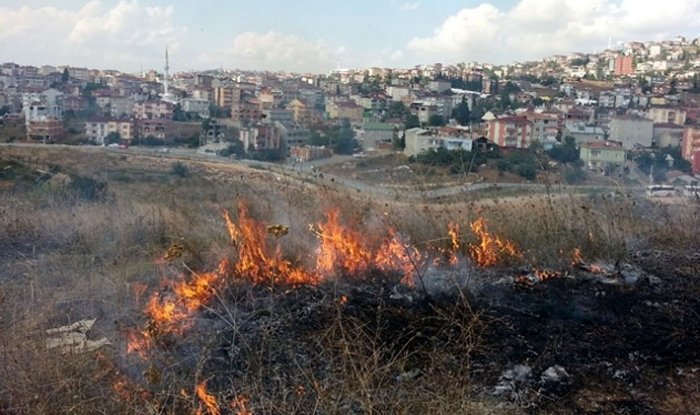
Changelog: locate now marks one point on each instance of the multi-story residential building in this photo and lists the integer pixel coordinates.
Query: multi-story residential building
(344, 109)
(583, 132)
(293, 134)
(45, 129)
(270, 98)
(420, 140)
(155, 127)
(226, 95)
(302, 113)
(47, 104)
(82, 74)
(196, 106)
(631, 131)
(374, 133)
(510, 131)
(246, 111)
(664, 114)
(278, 115)
(398, 93)
(667, 135)
(545, 127)
(313, 97)
(121, 106)
(98, 128)
(73, 103)
(602, 153)
(261, 137)
(624, 65)
(690, 145)
(153, 110)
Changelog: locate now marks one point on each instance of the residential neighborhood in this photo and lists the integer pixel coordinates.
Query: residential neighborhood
(616, 105)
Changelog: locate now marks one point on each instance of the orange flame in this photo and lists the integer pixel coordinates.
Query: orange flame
(537, 276)
(576, 257)
(453, 232)
(240, 405)
(397, 256)
(256, 262)
(341, 248)
(491, 249)
(207, 399)
(346, 250)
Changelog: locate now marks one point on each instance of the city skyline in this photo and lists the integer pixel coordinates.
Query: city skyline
(313, 36)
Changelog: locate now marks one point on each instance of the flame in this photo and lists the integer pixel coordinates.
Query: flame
(240, 405)
(453, 232)
(349, 251)
(256, 262)
(491, 249)
(138, 342)
(537, 276)
(397, 256)
(341, 248)
(207, 399)
(576, 257)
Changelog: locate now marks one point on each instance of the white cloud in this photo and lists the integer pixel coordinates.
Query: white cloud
(410, 6)
(533, 29)
(124, 36)
(276, 51)
(474, 29)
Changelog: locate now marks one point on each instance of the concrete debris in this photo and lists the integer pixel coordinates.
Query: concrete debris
(555, 374)
(72, 338)
(512, 380)
(410, 375)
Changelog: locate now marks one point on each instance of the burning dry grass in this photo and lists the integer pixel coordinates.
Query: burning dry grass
(254, 321)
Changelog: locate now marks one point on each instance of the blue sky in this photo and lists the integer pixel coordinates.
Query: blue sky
(316, 35)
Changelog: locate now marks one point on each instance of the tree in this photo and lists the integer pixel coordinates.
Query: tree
(399, 143)
(436, 120)
(65, 76)
(411, 122)
(673, 90)
(178, 113)
(397, 109)
(316, 139)
(461, 113)
(345, 143)
(537, 101)
(565, 153)
(113, 138)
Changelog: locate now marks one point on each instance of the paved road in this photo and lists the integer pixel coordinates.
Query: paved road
(308, 171)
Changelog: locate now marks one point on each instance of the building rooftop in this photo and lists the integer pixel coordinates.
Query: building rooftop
(603, 145)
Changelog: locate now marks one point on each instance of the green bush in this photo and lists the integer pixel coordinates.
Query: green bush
(179, 169)
(527, 171)
(574, 174)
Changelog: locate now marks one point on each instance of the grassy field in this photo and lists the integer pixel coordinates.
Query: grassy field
(82, 232)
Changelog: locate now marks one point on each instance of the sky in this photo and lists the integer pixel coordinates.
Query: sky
(321, 35)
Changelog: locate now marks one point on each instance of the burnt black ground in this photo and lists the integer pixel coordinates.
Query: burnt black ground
(626, 346)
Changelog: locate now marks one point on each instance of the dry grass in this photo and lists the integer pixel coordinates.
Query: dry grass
(65, 259)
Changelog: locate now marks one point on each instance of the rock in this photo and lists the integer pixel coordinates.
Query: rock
(555, 374)
(411, 374)
(512, 381)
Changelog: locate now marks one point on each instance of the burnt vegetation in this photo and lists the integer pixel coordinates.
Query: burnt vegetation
(231, 291)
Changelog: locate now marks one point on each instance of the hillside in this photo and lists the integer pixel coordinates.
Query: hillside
(229, 288)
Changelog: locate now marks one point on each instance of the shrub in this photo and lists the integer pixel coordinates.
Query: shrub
(179, 169)
(574, 175)
(526, 171)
